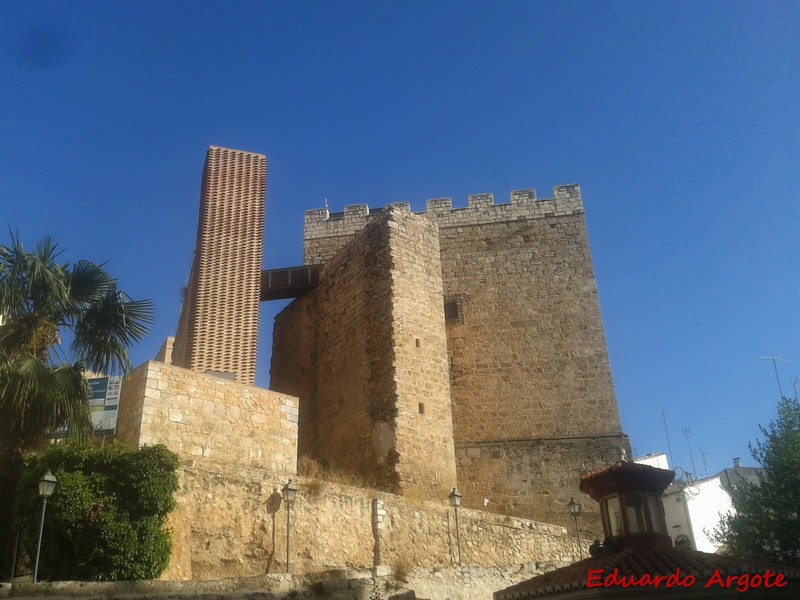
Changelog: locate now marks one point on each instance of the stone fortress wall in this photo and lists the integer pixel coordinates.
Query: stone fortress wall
(231, 521)
(366, 353)
(201, 416)
(533, 403)
(237, 446)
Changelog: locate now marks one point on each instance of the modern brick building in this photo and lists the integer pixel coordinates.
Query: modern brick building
(218, 328)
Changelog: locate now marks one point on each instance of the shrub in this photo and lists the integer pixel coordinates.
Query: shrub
(106, 519)
(402, 568)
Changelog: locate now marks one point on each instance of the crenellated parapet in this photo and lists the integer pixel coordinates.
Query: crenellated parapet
(325, 232)
(480, 209)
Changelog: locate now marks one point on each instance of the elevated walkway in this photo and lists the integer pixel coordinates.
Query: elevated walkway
(289, 282)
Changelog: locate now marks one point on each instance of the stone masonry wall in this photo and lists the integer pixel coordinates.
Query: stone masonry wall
(527, 352)
(424, 422)
(529, 333)
(327, 351)
(198, 415)
(515, 476)
(231, 521)
(366, 354)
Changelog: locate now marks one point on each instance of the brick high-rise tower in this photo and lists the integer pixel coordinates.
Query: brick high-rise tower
(218, 328)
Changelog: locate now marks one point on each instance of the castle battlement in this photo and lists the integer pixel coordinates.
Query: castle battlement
(480, 210)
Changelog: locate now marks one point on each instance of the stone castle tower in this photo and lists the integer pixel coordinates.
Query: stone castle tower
(218, 327)
(459, 346)
(498, 300)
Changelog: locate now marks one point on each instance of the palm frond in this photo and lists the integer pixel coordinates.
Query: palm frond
(88, 282)
(107, 328)
(35, 398)
(32, 282)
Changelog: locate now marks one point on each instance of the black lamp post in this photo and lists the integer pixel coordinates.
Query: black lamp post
(575, 511)
(289, 492)
(455, 502)
(47, 485)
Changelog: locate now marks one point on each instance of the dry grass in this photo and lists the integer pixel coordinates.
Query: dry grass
(313, 469)
(347, 478)
(402, 568)
(308, 467)
(315, 488)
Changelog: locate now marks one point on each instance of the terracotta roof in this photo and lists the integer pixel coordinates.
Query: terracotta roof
(625, 476)
(653, 562)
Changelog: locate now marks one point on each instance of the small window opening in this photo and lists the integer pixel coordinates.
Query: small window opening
(421, 408)
(454, 310)
(416, 341)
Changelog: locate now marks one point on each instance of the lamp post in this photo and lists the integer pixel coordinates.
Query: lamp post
(575, 511)
(289, 492)
(455, 502)
(47, 485)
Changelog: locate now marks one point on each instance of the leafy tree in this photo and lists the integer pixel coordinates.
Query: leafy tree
(43, 302)
(766, 522)
(105, 520)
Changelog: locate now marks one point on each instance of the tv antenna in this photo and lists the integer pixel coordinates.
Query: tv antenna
(703, 456)
(687, 433)
(775, 360)
(669, 446)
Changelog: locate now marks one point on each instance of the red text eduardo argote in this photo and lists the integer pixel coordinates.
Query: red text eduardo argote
(741, 583)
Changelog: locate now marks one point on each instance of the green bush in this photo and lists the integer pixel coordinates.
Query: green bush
(106, 519)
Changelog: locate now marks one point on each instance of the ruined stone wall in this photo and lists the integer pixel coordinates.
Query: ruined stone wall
(527, 353)
(231, 521)
(366, 354)
(198, 415)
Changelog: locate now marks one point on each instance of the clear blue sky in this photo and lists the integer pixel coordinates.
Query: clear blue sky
(680, 121)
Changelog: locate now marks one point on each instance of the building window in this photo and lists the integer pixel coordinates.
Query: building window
(656, 513)
(453, 309)
(614, 516)
(635, 513)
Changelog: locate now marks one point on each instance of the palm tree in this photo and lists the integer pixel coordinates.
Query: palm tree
(41, 300)
(42, 303)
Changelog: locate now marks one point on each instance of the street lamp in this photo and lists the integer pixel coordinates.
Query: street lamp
(289, 492)
(455, 502)
(47, 485)
(575, 511)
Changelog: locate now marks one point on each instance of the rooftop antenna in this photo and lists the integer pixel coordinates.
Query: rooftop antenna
(703, 456)
(775, 360)
(687, 432)
(669, 446)
(794, 385)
